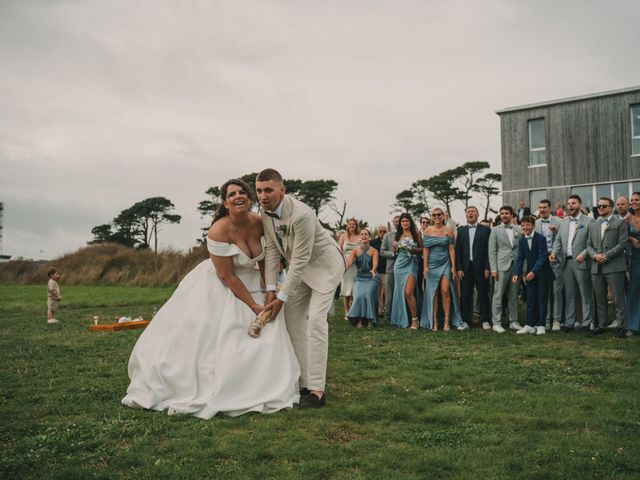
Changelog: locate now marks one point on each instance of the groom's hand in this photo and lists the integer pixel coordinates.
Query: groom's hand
(275, 305)
(269, 297)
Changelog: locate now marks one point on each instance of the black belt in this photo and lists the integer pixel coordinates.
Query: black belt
(569, 257)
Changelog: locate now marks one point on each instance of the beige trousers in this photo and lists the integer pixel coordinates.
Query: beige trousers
(306, 314)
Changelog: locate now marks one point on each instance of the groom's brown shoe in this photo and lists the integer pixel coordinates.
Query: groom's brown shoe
(312, 401)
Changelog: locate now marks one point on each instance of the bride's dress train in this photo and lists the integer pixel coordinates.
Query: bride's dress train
(196, 357)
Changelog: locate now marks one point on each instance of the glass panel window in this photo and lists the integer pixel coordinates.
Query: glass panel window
(620, 190)
(537, 143)
(603, 191)
(635, 187)
(635, 129)
(586, 194)
(534, 198)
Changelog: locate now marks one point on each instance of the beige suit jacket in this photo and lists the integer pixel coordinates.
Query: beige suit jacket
(312, 256)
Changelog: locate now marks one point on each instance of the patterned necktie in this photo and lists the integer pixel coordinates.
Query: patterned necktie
(272, 215)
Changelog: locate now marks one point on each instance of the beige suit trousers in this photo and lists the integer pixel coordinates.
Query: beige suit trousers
(306, 314)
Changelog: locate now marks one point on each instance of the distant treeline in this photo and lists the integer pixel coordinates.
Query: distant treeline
(108, 264)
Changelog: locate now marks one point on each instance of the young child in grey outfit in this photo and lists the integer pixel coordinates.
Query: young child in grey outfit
(53, 295)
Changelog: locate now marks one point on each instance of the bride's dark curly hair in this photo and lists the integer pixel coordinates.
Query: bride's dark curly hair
(222, 210)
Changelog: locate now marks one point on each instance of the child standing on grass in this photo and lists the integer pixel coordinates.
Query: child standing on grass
(53, 295)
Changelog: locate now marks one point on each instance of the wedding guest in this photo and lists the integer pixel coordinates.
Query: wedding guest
(523, 211)
(558, 211)
(364, 310)
(548, 226)
(622, 207)
(347, 242)
(407, 245)
(472, 262)
(606, 246)
(532, 265)
(633, 296)
(439, 271)
(503, 251)
(53, 295)
(387, 252)
(382, 266)
(424, 224)
(569, 252)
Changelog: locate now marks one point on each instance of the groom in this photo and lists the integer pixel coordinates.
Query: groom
(314, 269)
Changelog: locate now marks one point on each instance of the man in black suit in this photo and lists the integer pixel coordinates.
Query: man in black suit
(523, 211)
(472, 262)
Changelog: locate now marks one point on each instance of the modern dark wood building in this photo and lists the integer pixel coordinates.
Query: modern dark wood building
(589, 145)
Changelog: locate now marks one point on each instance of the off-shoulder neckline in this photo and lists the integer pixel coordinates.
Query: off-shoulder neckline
(262, 242)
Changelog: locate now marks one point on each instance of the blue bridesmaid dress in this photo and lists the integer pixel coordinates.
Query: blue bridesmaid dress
(365, 298)
(633, 296)
(439, 264)
(406, 264)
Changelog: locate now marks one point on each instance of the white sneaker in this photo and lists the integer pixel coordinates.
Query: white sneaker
(556, 326)
(541, 330)
(486, 326)
(613, 324)
(498, 329)
(515, 326)
(463, 326)
(547, 325)
(53, 320)
(526, 329)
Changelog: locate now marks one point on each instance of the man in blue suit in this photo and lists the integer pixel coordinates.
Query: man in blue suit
(533, 265)
(472, 262)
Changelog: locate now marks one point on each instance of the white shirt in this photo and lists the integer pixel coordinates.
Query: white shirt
(573, 227)
(545, 228)
(472, 235)
(276, 224)
(529, 240)
(604, 225)
(509, 234)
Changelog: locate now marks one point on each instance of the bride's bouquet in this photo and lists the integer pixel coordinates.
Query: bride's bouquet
(259, 322)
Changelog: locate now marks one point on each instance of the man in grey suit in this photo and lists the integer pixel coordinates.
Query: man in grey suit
(503, 252)
(548, 226)
(569, 257)
(314, 269)
(386, 251)
(607, 247)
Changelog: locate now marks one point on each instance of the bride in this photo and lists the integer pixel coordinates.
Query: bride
(196, 356)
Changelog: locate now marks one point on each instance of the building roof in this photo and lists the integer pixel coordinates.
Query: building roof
(569, 100)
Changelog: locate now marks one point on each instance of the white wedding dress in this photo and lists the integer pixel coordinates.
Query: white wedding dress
(196, 357)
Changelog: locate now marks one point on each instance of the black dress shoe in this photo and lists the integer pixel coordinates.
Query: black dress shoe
(566, 329)
(599, 331)
(312, 401)
(304, 392)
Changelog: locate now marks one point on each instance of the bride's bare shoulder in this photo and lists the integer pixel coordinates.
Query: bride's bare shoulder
(219, 231)
(256, 222)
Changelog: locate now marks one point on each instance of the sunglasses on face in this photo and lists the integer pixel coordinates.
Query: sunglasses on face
(604, 206)
(436, 215)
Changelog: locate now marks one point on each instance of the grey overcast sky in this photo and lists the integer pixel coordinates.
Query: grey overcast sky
(104, 103)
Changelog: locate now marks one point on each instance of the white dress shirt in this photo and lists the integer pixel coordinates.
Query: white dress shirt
(472, 235)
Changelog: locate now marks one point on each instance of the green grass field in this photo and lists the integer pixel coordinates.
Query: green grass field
(401, 404)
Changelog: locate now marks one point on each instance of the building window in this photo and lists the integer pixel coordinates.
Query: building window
(603, 190)
(586, 194)
(635, 187)
(537, 144)
(534, 198)
(635, 129)
(620, 190)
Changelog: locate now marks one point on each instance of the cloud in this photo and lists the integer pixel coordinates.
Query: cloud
(106, 103)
